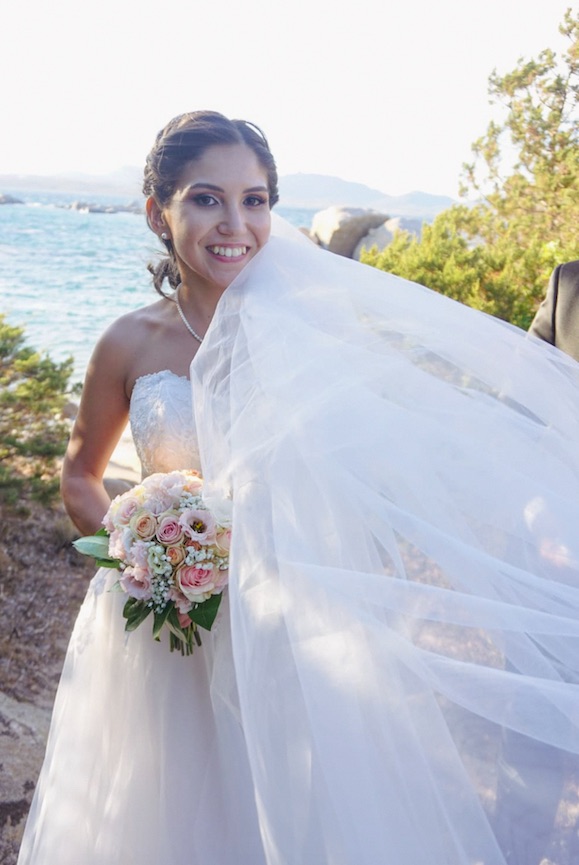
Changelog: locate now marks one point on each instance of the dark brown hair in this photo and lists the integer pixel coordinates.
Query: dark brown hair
(184, 139)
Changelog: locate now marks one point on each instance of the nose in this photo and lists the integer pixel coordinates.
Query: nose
(232, 220)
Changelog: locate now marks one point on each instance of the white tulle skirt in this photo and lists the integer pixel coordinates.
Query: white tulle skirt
(404, 473)
(146, 761)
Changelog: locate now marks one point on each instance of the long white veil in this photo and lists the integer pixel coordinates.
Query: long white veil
(403, 474)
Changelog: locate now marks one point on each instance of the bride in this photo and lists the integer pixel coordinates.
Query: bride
(392, 677)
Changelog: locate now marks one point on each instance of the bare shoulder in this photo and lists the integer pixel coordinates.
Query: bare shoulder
(142, 342)
(131, 328)
(126, 347)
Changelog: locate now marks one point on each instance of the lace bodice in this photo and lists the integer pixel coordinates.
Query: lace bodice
(162, 423)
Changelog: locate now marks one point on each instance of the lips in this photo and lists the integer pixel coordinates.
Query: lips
(232, 252)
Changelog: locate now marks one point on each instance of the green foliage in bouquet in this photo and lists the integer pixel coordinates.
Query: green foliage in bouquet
(136, 611)
(496, 253)
(203, 615)
(33, 434)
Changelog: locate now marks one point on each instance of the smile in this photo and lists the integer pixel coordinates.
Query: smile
(228, 251)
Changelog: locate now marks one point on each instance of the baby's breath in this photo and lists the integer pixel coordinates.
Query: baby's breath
(161, 587)
(194, 556)
(188, 500)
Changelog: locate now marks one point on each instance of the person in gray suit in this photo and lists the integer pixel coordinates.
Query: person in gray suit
(519, 767)
(557, 319)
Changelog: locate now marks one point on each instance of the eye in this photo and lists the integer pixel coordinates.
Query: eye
(255, 200)
(205, 200)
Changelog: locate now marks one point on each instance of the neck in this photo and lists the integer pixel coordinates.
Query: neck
(199, 304)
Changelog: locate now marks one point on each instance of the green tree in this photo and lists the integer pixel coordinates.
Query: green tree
(33, 434)
(497, 254)
(540, 194)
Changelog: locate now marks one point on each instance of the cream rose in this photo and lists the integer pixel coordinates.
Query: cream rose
(143, 525)
(223, 541)
(175, 555)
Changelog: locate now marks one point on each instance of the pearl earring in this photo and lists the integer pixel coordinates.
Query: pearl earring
(164, 235)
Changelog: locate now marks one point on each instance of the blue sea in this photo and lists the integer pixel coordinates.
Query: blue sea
(65, 274)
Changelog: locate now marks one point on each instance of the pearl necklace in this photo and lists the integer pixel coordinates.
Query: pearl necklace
(184, 320)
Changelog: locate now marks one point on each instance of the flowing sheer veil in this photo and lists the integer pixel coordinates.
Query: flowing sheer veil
(402, 474)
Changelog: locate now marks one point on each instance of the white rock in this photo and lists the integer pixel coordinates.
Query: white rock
(340, 228)
(382, 235)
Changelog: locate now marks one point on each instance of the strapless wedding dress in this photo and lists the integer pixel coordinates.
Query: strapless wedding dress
(392, 678)
(146, 761)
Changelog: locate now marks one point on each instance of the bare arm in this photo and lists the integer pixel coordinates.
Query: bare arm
(102, 416)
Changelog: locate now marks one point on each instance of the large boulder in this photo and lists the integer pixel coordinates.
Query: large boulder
(383, 234)
(339, 229)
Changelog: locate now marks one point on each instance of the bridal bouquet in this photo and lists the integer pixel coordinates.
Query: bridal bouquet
(172, 556)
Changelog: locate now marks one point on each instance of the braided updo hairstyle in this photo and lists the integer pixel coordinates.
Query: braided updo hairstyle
(183, 140)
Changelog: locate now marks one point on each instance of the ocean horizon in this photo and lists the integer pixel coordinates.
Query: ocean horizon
(66, 273)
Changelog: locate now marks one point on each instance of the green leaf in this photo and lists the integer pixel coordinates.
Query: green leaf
(180, 638)
(108, 563)
(204, 614)
(135, 612)
(160, 619)
(96, 546)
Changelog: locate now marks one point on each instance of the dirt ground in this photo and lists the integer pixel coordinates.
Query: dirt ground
(43, 581)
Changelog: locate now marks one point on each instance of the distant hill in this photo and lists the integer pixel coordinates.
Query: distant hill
(307, 191)
(126, 181)
(320, 191)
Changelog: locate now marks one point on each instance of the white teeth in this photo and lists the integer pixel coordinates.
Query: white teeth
(229, 251)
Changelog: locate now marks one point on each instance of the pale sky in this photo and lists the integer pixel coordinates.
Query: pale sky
(390, 94)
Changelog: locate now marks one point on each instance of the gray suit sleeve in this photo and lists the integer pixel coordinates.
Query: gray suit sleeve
(543, 325)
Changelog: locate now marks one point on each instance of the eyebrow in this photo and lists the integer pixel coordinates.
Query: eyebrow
(215, 188)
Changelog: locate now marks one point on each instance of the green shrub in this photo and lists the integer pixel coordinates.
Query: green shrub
(33, 432)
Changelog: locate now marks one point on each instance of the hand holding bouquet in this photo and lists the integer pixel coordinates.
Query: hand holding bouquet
(172, 555)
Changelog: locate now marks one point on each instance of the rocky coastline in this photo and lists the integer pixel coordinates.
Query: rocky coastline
(91, 207)
(342, 229)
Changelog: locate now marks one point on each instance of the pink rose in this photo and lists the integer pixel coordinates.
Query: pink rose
(169, 530)
(199, 525)
(195, 582)
(184, 620)
(136, 583)
(122, 508)
(182, 603)
(127, 507)
(143, 525)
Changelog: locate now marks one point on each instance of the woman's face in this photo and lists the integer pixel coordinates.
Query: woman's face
(218, 217)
